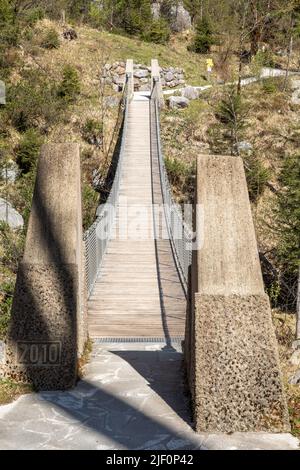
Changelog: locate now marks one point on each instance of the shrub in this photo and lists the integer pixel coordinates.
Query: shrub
(264, 58)
(6, 294)
(90, 204)
(158, 32)
(28, 150)
(288, 213)
(269, 86)
(257, 176)
(69, 88)
(33, 101)
(231, 113)
(32, 16)
(50, 40)
(204, 37)
(92, 131)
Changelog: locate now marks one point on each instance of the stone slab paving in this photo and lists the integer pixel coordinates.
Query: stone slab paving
(132, 397)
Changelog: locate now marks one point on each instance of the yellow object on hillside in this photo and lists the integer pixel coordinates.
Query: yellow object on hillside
(209, 64)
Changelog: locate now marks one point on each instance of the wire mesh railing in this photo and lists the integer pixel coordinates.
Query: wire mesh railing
(97, 236)
(180, 234)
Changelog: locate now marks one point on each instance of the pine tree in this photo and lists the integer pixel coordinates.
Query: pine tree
(204, 37)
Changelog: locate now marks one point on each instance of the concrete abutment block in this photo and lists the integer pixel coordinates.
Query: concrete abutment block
(47, 331)
(231, 349)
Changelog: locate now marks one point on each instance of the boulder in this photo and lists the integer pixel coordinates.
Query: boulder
(141, 73)
(190, 92)
(295, 84)
(178, 102)
(296, 97)
(169, 76)
(295, 358)
(245, 147)
(2, 93)
(181, 19)
(295, 378)
(155, 9)
(11, 172)
(9, 215)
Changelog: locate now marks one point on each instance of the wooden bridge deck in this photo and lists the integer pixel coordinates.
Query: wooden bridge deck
(138, 292)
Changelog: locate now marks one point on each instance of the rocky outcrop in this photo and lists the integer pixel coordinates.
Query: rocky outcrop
(114, 75)
(178, 17)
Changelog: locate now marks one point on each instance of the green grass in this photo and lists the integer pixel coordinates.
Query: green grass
(173, 54)
(10, 390)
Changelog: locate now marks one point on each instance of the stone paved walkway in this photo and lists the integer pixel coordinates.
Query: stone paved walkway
(132, 397)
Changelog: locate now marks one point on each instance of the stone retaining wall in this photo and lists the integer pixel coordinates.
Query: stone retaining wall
(114, 75)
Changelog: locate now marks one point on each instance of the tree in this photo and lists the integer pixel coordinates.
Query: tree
(231, 113)
(204, 37)
(288, 220)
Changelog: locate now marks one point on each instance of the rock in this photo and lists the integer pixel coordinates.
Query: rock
(178, 102)
(181, 82)
(155, 10)
(142, 73)
(296, 97)
(2, 93)
(111, 101)
(244, 147)
(144, 80)
(107, 66)
(10, 215)
(181, 19)
(190, 92)
(70, 34)
(296, 344)
(295, 358)
(169, 77)
(295, 378)
(11, 172)
(120, 70)
(2, 352)
(295, 84)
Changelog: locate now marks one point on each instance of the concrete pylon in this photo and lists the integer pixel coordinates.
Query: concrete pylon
(230, 348)
(47, 332)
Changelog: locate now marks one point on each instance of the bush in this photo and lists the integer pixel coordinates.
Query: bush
(50, 40)
(269, 86)
(92, 131)
(231, 112)
(6, 295)
(257, 176)
(28, 150)
(33, 102)
(204, 37)
(32, 16)
(69, 88)
(264, 58)
(288, 214)
(158, 32)
(90, 204)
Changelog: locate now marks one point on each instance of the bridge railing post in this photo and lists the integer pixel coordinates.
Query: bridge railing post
(230, 347)
(156, 86)
(129, 79)
(48, 327)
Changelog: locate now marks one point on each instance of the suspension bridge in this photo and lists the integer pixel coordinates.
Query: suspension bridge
(141, 277)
